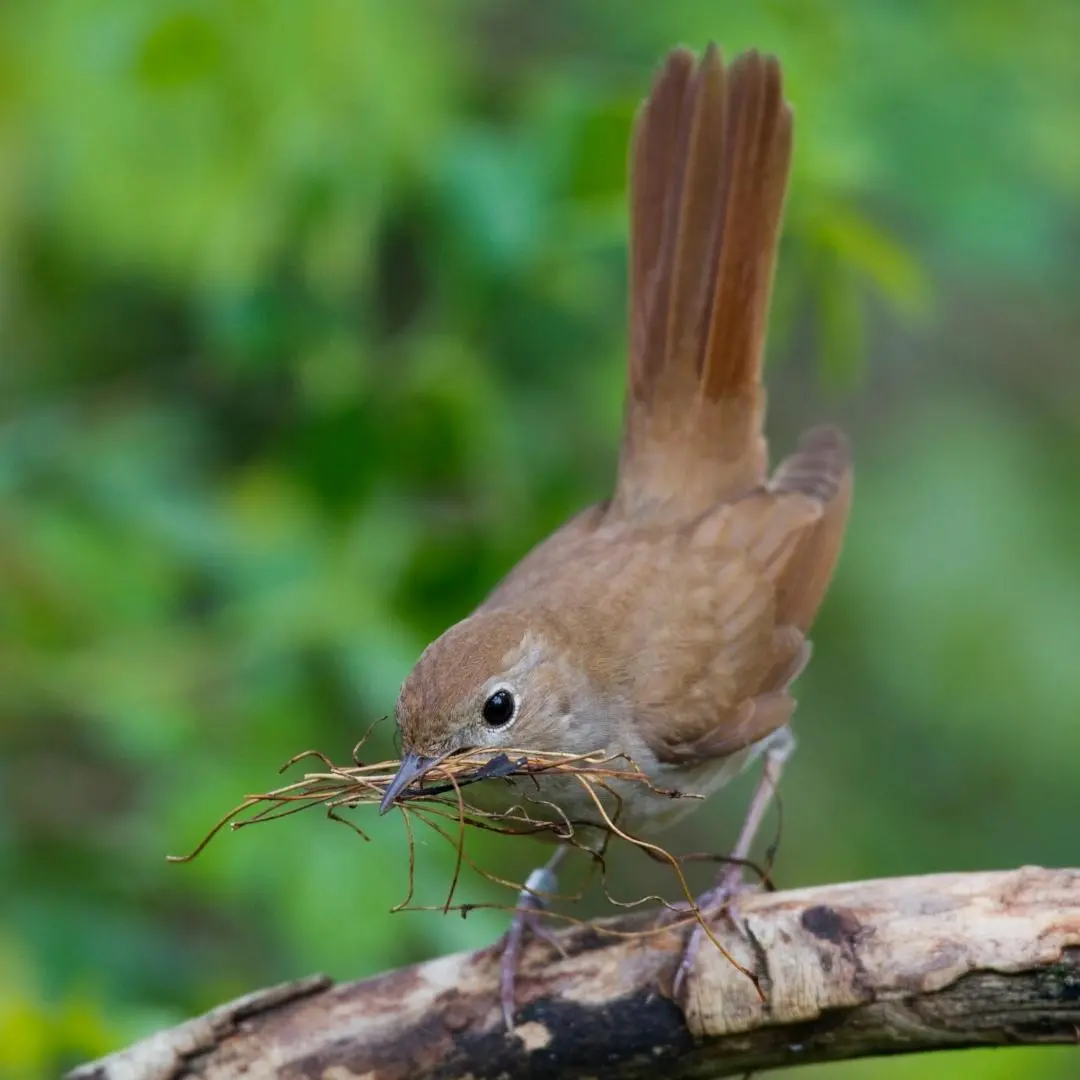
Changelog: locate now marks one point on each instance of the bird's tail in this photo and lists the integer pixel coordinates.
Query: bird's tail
(709, 168)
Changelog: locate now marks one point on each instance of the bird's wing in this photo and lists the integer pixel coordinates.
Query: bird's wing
(717, 656)
(821, 469)
(762, 567)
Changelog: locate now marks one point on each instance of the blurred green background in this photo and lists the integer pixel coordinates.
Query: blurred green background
(312, 322)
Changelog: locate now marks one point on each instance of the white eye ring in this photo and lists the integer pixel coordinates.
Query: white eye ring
(500, 709)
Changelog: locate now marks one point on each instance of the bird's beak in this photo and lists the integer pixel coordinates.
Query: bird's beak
(413, 766)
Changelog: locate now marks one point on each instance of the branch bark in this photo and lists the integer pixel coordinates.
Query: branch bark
(875, 967)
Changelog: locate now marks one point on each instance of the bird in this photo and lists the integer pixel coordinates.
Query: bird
(668, 622)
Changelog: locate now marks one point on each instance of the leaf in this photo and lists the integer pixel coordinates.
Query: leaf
(861, 245)
(841, 324)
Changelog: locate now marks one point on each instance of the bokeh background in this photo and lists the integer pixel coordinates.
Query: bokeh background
(312, 322)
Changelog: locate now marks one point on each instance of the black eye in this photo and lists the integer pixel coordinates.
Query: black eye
(499, 708)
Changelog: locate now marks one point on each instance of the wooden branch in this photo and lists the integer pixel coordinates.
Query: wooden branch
(876, 967)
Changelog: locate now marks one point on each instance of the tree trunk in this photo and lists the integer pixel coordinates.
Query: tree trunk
(875, 967)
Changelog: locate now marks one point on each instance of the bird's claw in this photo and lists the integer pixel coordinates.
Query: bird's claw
(527, 920)
(721, 900)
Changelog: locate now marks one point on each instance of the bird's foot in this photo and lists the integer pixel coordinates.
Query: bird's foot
(721, 900)
(527, 921)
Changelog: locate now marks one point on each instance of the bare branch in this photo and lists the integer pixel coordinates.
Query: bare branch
(901, 965)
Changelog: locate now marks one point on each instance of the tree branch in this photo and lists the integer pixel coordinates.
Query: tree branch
(875, 967)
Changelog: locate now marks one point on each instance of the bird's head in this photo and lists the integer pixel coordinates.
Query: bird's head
(495, 680)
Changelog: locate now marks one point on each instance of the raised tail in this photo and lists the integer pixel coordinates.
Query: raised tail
(709, 167)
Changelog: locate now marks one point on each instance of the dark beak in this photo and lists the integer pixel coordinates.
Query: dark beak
(413, 766)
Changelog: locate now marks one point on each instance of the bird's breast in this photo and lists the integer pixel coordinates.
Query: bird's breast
(579, 808)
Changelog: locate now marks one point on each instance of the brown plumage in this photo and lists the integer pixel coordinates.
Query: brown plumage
(669, 622)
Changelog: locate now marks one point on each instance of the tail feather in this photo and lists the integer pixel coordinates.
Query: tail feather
(656, 153)
(697, 231)
(709, 168)
(760, 138)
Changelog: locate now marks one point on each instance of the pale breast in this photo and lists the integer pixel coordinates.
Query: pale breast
(575, 808)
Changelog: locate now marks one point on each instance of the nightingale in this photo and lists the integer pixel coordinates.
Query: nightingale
(669, 622)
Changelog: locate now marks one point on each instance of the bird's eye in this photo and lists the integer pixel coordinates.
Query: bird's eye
(499, 708)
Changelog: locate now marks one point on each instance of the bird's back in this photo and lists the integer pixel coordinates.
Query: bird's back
(691, 591)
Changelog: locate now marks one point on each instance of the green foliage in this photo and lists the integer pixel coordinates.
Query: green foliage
(311, 323)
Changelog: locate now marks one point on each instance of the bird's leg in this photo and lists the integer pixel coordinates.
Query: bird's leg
(729, 883)
(532, 900)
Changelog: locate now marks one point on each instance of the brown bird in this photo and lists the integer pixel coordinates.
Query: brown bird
(668, 623)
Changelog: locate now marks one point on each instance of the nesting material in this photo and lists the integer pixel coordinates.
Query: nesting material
(440, 800)
(442, 791)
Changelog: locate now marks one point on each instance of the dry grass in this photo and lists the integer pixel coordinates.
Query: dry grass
(440, 801)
